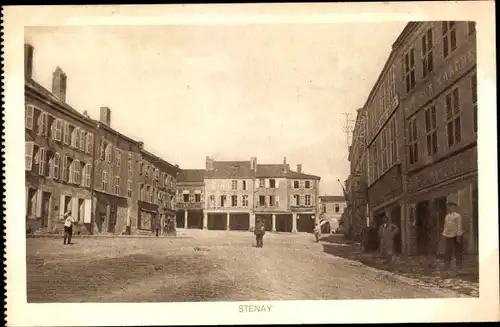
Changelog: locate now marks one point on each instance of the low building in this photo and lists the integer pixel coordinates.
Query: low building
(332, 208)
(59, 144)
(191, 199)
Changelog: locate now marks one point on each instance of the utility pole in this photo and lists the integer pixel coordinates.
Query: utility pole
(348, 128)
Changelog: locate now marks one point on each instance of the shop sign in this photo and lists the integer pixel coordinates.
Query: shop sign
(189, 205)
(444, 77)
(457, 165)
(387, 187)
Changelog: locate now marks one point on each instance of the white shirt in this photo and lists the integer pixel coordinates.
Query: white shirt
(453, 225)
(68, 222)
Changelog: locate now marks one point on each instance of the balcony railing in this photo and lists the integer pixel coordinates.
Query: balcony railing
(189, 205)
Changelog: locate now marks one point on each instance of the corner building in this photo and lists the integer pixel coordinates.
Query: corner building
(59, 145)
(439, 98)
(191, 199)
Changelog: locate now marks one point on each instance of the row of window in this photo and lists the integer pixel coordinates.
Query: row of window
(268, 183)
(263, 200)
(453, 124)
(57, 129)
(449, 45)
(189, 197)
(153, 195)
(157, 176)
(384, 150)
(336, 208)
(48, 163)
(384, 97)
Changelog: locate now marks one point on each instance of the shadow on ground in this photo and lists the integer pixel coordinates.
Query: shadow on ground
(465, 281)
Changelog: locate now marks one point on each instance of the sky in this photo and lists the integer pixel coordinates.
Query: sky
(227, 91)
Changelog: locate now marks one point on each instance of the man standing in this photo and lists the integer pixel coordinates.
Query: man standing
(452, 234)
(68, 227)
(259, 231)
(387, 232)
(317, 232)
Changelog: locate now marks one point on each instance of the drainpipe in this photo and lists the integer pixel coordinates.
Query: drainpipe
(92, 181)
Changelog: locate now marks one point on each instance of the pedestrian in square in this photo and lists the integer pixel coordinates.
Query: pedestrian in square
(259, 231)
(453, 235)
(68, 227)
(317, 232)
(387, 232)
(157, 226)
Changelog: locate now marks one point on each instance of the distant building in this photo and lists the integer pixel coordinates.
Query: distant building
(332, 208)
(191, 199)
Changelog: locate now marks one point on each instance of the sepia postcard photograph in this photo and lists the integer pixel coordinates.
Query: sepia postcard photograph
(250, 163)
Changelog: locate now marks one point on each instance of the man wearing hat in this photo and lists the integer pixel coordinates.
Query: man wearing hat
(259, 231)
(387, 232)
(452, 234)
(68, 227)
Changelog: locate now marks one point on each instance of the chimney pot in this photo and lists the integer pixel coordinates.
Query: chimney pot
(59, 79)
(28, 61)
(299, 168)
(105, 116)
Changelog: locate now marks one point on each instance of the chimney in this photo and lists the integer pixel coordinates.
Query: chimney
(299, 168)
(209, 163)
(28, 61)
(141, 145)
(253, 164)
(105, 116)
(285, 166)
(59, 84)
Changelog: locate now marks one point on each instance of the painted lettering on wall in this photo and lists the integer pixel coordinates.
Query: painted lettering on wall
(458, 165)
(388, 186)
(443, 78)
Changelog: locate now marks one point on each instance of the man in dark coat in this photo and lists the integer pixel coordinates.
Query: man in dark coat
(259, 232)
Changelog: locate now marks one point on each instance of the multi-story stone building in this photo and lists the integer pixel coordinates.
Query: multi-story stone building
(59, 143)
(157, 189)
(115, 179)
(229, 190)
(385, 144)
(191, 199)
(438, 72)
(271, 196)
(332, 208)
(357, 183)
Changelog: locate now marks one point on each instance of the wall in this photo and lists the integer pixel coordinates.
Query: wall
(280, 193)
(192, 189)
(218, 187)
(302, 191)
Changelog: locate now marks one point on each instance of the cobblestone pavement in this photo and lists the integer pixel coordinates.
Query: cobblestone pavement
(465, 281)
(205, 266)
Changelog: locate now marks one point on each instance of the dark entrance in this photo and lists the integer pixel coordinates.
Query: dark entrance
(396, 220)
(179, 219)
(112, 218)
(44, 222)
(423, 226)
(268, 220)
(305, 223)
(436, 227)
(239, 221)
(284, 223)
(195, 219)
(216, 221)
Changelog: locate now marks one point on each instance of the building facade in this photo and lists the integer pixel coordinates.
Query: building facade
(191, 199)
(107, 181)
(331, 209)
(59, 145)
(440, 113)
(115, 198)
(157, 191)
(357, 184)
(229, 190)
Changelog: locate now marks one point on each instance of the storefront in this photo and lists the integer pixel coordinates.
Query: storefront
(386, 198)
(148, 218)
(453, 179)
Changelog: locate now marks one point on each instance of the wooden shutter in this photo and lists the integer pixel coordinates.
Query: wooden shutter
(61, 206)
(312, 201)
(38, 203)
(28, 149)
(74, 208)
(87, 213)
(266, 183)
(256, 183)
(30, 112)
(277, 183)
(292, 200)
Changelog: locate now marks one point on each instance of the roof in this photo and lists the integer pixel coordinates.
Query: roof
(34, 85)
(230, 169)
(159, 160)
(191, 176)
(332, 198)
(296, 175)
(275, 170)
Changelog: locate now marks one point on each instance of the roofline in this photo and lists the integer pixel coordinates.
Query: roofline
(57, 105)
(409, 28)
(163, 161)
(100, 124)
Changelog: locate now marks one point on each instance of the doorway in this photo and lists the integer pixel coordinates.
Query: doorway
(179, 219)
(284, 223)
(267, 219)
(239, 221)
(44, 221)
(305, 223)
(422, 227)
(81, 210)
(112, 218)
(195, 219)
(216, 221)
(396, 220)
